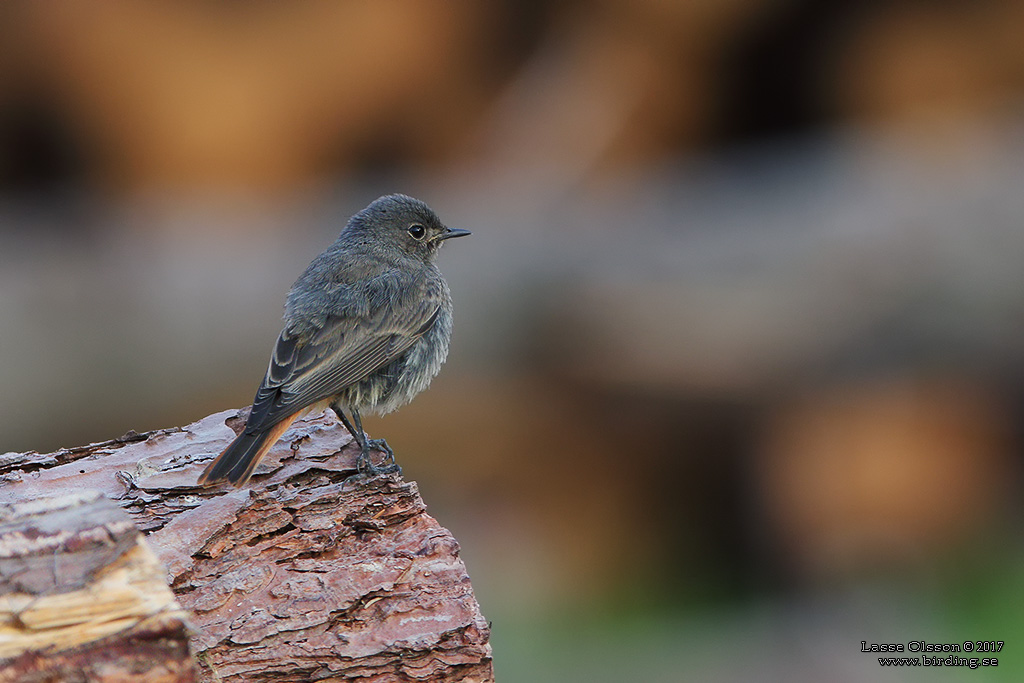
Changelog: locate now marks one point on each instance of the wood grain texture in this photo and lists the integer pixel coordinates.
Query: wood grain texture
(309, 574)
(83, 598)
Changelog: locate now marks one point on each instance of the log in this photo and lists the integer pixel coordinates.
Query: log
(82, 597)
(308, 574)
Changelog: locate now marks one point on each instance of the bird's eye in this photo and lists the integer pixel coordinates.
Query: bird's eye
(417, 231)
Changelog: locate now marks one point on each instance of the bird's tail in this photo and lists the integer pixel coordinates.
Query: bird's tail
(240, 458)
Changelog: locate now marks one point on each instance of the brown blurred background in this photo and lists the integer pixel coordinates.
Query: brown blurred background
(738, 368)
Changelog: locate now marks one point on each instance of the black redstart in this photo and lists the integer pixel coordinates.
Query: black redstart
(366, 328)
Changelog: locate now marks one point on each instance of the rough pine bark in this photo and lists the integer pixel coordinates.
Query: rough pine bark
(308, 574)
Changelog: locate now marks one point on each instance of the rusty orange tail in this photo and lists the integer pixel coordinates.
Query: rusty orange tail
(240, 458)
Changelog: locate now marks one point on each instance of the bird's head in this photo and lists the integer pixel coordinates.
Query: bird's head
(397, 221)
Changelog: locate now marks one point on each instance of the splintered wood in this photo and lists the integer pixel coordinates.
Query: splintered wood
(82, 597)
(307, 575)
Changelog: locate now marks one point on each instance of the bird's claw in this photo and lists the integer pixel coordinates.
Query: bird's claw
(364, 463)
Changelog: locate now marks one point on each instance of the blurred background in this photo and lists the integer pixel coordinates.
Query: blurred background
(737, 376)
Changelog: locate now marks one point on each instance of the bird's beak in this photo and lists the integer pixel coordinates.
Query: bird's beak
(450, 233)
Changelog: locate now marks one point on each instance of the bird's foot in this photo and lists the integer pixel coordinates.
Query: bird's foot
(382, 446)
(364, 463)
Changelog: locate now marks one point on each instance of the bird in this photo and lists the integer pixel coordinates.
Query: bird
(366, 328)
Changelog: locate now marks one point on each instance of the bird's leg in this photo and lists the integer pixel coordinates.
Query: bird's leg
(379, 444)
(357, 435)
(364, 463)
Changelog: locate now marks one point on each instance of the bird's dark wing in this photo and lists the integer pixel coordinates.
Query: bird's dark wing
(308, 367)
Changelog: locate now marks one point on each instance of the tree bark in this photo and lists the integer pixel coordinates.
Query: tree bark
(308, 574)
(83, 598)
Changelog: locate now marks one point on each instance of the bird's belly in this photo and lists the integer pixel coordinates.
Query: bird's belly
(398, 382)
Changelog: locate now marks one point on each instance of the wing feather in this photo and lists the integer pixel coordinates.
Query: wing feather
(307, 368)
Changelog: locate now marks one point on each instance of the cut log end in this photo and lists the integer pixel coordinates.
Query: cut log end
(82, 597)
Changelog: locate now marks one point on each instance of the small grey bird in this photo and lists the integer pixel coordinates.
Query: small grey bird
(366, 328)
